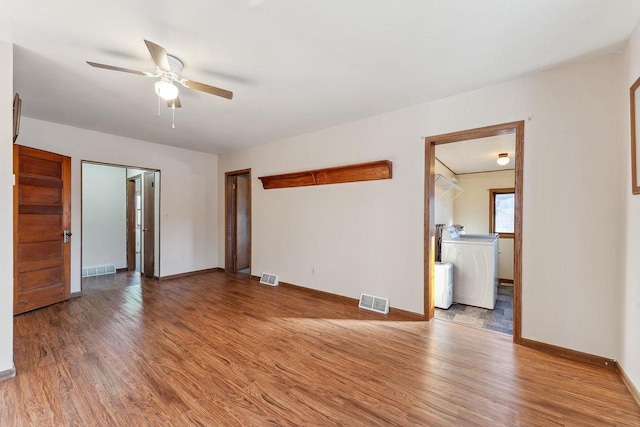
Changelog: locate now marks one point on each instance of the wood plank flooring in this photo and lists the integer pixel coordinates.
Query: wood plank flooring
(221, 349)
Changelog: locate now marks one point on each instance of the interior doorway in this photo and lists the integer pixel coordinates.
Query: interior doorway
(134, 223)
(118, 204)
(238, 221)
(431, 234)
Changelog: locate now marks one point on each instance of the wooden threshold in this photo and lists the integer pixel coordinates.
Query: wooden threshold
(381, 169)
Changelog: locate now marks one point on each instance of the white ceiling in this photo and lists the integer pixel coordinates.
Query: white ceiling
(477, 155)
(295, 66)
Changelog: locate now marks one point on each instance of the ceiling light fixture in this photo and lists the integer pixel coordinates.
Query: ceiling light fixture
(166, 90)
(503, 159)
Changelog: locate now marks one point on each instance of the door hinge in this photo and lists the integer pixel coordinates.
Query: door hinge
(234, 186)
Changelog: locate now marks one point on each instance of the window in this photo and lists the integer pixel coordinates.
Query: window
(502, 203)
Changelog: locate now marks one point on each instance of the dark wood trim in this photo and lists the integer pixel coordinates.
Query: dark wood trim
(131, 222)
(315, 293)
(8, 374)
(381, 169)
(121, 270)
(635, 187)
(189, 273)
(429, 223)
(567, 353)
(230, 218)
(492, 209)
(627, 381)
(505, 281)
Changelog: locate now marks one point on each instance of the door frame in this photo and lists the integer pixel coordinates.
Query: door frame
(516, 128)
(116, 165)
(148, 237)
(131, 221)
(230, 219)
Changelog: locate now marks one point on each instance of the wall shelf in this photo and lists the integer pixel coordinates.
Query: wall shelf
(446, 185)
(370, 171)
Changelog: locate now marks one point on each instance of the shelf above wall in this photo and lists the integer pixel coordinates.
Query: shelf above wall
(370, 171)
(446, 185)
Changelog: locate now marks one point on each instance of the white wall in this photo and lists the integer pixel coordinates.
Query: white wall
(6, 206)
(629, 355)
(189, 190)
(471, 209)
(368, 236)
(104, 214)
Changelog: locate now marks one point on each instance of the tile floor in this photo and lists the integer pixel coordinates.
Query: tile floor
(500, 319)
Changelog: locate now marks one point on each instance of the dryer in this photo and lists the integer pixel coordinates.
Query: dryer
(475, 268)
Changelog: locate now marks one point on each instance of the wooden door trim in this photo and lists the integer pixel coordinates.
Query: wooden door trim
(150, 234)
(230, 217)
(429, 221)
(131, 223)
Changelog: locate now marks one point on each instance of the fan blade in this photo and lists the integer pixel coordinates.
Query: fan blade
(111, 67)
(171, 102)
(209, 89)
(159, 55)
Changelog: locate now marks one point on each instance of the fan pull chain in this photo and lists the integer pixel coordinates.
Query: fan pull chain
(173, 115)
(158, 107)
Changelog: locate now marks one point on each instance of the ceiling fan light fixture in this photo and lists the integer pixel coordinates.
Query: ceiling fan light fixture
(503, 159)
(166, 90)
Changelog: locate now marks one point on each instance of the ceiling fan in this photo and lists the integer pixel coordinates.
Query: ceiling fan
(168, 70)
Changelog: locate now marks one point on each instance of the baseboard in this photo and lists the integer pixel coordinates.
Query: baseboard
(505, 281)
(340, 298)
(9, 373)
(76, 294)
(627, 381)
(567, 353)
(121, 270)
(190, 273)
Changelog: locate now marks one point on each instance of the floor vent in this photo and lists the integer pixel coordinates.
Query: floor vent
(98, 271)
(269, 279)
(373, 303)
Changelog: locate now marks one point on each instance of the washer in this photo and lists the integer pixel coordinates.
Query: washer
(475, 268)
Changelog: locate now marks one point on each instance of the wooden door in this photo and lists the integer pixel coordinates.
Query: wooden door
(243, 223)
(131, 225)
(149, 223)
(41, 227)
(237, 220)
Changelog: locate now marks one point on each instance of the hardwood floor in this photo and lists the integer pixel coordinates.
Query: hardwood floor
(221, 349)
(110, 281)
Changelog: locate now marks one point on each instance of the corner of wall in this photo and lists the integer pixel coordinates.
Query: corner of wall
(6, 207)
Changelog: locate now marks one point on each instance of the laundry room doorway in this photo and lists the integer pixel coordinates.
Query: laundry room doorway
(473, 227)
